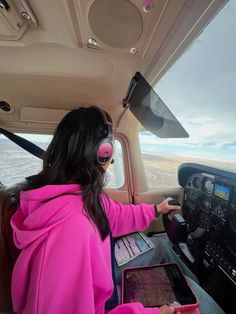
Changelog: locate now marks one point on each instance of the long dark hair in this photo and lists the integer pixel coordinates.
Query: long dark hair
(71, 157)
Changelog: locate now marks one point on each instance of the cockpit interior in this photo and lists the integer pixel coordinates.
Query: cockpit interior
(61, 54)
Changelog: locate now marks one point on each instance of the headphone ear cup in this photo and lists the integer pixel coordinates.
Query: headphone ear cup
(104, 151)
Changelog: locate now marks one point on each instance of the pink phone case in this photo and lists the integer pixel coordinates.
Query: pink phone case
(186, 309)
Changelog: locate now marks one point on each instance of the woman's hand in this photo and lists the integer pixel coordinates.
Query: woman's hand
(165, 208)
(165, 309)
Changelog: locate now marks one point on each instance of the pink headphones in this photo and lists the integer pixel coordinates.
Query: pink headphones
(105, 145)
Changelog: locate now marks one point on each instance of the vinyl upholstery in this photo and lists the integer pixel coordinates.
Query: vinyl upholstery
(9, 200)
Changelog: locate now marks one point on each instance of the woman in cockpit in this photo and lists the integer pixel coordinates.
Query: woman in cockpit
(63, 225)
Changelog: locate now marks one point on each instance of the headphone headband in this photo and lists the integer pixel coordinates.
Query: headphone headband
(107, 122)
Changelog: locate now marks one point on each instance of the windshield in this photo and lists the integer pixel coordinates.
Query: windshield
(200, 91)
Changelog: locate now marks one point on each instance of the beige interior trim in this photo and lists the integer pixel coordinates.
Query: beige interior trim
(156, 196)
(42, 115)
(118, 195)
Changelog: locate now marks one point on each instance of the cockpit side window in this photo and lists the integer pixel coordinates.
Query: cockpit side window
(16, 164)
(115, 173)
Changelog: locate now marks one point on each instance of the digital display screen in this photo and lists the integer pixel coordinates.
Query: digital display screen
(155, 286)
(222, 191)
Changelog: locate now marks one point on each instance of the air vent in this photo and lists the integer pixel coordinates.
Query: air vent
(6, 107)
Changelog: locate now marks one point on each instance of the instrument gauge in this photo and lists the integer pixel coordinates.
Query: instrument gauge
(196, 183)
(207, 186)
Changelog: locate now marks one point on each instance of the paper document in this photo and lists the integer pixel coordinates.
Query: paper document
(131, 246)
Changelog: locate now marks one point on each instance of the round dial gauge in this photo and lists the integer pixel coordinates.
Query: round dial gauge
(196, 182)
(207, 186)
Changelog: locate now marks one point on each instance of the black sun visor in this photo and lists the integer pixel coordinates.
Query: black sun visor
(151, 111)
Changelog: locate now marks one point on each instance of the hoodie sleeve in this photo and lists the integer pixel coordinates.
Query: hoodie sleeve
(126, 219)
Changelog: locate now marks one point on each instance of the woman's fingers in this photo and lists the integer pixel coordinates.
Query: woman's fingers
(174, 207)
(165, 309)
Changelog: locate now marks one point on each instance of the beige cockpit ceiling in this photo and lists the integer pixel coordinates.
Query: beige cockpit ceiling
(59, 54)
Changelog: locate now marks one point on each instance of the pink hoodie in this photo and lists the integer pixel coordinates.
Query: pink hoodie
(64, 266)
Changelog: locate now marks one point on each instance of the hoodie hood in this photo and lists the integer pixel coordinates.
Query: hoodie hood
(42, 209)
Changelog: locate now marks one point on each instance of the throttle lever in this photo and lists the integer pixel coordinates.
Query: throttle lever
(174, 202)
(165, 217)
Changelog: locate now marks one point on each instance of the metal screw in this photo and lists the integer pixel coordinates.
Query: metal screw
(134, 51)
(92, 42)
(25, 15)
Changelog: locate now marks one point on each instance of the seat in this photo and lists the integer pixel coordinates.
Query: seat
(9, 200)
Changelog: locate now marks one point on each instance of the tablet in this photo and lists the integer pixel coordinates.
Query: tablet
(157, 285)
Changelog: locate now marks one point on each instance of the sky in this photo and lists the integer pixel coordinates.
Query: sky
(210, 149)
(200, 90)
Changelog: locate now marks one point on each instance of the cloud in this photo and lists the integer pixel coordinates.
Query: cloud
(147, 138)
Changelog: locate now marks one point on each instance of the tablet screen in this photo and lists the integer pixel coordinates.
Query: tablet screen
(157, 285)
